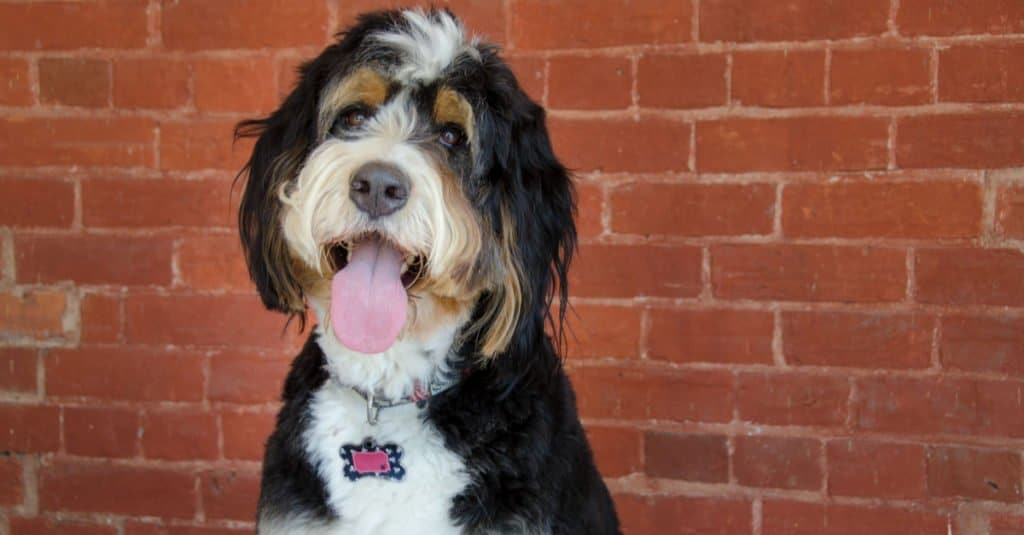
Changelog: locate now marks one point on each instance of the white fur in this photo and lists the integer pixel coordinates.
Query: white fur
(429, 46)
(420, 503)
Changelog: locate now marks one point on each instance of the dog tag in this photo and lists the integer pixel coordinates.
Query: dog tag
(370, 459)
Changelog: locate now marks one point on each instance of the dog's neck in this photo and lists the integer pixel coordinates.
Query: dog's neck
(394, 373)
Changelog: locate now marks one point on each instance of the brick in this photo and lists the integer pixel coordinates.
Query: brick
(636, 394)
(1006, 524)
(974, 473)
(70, 25)
(975, 276)
(887, 76)
(58, 526)
(129, 490)
(604, 331)
(799, 518)
(802, 20)
(142, 528)
(981, 73)
(980, 140)
(636, 270)
(240, 85)
(778, 462)
(622, 145)
(96, 432)
(151, 83)
(34, 314)
(682, 81)
(74, 82)
(1010, 211)
(130, 374)
(792, 144)
(778, 78)
(16, 87)
(481, 17)
(590, 83)
(931, 210)
(237, 320)
(239, 377)
(530, 73)
(618, 451)
(29, 428)
(179, 435)
(198, 24)
(93, 259)
(589, 206)
(101, 318)
(859, 340)
(958, 17)
(792, 399)
(942, 405)
(230, 494)
(703, 458)
(870, 469)
(40, 202)
(245, 434)
(196, 203)
(537, 24)
(983, 344)
(651, 514)
(12, 481)
(808, 273)
(720, 336)
(693, 209)
(20, 366)
(108, 142)
(201, 144)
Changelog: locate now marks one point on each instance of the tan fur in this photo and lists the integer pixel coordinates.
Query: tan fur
(508, 303)
(452, 107)
(364, 86)
(276, 251)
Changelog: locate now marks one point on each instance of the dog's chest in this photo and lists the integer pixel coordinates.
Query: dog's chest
(430, 475)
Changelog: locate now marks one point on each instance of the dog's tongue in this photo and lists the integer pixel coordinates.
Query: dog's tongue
(368, 300)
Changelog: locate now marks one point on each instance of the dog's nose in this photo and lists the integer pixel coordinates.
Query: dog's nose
(379, 189)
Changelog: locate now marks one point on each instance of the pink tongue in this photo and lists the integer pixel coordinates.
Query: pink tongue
(368, 301)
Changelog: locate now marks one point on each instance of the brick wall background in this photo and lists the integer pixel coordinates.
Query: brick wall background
(800, 292)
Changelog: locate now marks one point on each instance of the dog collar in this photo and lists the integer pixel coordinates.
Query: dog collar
(439, 382)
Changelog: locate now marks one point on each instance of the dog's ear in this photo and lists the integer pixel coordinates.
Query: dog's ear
(533, 203)
(282, 140)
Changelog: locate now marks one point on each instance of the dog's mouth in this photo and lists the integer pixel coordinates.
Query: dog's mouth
(340, 253)
(369, 297)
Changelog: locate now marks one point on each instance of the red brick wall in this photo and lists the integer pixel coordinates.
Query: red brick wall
(800, 289)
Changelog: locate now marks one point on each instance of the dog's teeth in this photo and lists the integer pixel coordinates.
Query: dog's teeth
(406, 264)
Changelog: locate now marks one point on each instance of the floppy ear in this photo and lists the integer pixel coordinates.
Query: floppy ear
(282, 141)
(534, 202)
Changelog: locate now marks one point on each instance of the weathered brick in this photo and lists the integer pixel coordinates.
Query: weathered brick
(692, 209)
(808, 273)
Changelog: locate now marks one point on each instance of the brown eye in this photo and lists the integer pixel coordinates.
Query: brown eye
(451, 136)
(356, 118)
(351, 119)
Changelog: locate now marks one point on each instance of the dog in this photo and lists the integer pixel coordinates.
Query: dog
(407, 192)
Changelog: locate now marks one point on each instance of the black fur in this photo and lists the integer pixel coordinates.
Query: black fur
(513, 420)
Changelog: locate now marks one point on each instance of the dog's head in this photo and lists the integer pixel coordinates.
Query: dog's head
(407, 185)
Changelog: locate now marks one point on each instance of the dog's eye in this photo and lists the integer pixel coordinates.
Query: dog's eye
(352, 118)
(451, 136)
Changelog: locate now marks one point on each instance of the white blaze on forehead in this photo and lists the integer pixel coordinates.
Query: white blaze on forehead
(429, 45)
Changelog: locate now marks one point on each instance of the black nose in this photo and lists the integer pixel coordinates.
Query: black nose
(379, 189)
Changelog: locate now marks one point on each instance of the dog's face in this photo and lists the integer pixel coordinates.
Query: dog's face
(407, 185)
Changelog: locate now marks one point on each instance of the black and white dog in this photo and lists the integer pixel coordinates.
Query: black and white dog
(407, 191)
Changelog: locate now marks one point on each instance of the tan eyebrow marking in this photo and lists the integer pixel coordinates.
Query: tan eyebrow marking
(365, 86)
(452, 107)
